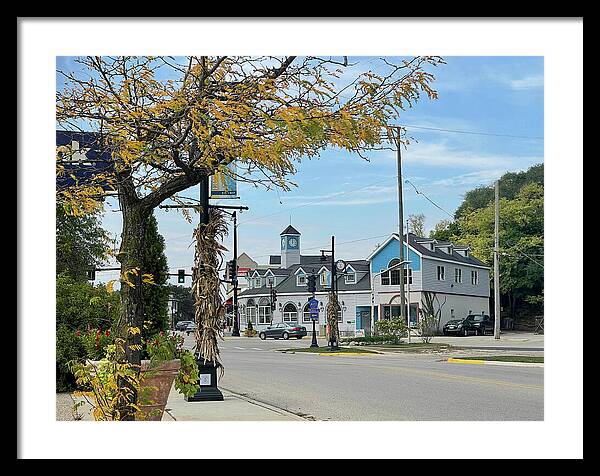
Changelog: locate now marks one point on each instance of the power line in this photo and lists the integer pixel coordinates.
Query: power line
(429, 200)
(458, 131)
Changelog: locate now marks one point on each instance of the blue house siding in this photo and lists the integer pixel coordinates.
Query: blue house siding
(382, 259)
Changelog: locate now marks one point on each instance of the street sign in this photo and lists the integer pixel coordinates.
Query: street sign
(83, 156)
(224, 185)
(313, 308)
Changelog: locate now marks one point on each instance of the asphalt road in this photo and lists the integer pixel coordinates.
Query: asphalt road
(379, 387)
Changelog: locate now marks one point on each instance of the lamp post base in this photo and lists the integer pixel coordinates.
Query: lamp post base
(314, 336)
(207, 373)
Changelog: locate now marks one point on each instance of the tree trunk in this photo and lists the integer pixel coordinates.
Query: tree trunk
(132, 314)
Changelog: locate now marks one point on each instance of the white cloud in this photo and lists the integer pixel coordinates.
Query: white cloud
(528, 82)
(439, 154)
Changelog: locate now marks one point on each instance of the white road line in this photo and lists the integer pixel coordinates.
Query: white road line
(240, 348)
(256, 348)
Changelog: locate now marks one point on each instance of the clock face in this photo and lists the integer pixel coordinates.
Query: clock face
(340, 265)
(293, 243)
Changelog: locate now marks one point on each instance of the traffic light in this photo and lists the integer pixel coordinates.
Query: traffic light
(312, 283)
(181, 275)
(230, 270)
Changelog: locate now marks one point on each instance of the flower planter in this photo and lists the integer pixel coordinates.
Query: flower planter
(159, 380)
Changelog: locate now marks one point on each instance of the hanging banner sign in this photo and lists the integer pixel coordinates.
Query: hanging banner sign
(223, 185)
(84, 158)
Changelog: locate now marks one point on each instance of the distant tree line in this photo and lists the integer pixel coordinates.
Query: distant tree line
(521, 237)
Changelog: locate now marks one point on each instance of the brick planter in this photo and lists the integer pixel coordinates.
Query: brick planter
(160, 377)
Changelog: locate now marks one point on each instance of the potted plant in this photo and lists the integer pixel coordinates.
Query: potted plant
(249, 331)
(151, 384)
(168, 361)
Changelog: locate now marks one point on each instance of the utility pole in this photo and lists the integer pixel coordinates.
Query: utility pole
(400, 228)
(497, 263)
(407, 283)
(236, 323)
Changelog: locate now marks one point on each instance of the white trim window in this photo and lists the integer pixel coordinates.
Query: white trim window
(301, 279)
(350, 277)
(251, 311)
(290, 313)
(441, 273)
(306, 313)
(474, 277)
(457, 275)
(408, 274)
(257, 282)
(264, 311)
(270, 281)
(323, 278)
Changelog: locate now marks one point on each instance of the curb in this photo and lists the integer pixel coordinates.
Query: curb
(495, 362)
(265, 405)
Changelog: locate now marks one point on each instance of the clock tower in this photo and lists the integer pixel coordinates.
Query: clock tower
(290, 247)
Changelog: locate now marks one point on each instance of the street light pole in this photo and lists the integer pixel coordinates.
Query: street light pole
(236, 323)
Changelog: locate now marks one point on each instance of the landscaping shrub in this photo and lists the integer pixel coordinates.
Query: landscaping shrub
(68, 347)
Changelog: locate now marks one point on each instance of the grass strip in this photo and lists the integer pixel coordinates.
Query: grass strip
(535, 359)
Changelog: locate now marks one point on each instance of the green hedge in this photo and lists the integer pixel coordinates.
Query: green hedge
(68, 347)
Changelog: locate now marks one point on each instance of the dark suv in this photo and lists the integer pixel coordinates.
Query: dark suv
(477, 324)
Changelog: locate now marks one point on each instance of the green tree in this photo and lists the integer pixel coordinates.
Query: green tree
(81, 243)
(510, 185)
(521, 238)
(445, 230)
(156, 296)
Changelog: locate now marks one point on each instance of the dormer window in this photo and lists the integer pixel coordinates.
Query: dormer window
(257, 282)
(270, 281)
(301, 280)
(350, 278)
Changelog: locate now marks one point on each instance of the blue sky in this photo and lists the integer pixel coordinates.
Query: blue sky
(343, 195)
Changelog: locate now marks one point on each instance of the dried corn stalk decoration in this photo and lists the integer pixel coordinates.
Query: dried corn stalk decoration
(333, 308)
(206, 287)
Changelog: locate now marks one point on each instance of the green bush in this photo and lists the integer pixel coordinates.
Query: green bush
(393, 329)
(81, 310)
(68, 347)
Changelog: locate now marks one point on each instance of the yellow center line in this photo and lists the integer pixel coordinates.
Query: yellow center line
(445, 376)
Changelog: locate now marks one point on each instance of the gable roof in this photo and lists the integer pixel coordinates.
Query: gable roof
(290, 230)
(423, 250)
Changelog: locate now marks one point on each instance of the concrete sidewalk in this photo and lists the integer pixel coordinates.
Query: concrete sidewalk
(234, 407)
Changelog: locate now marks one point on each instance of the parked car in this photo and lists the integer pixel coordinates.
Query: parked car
(477, 324)
(191, 327)
(181, 325)
(283, 330)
